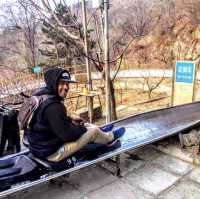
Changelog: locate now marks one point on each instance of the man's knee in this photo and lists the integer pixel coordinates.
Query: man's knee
(89, 125)
(93, 132)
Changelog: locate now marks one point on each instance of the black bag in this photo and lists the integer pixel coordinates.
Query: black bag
(9, 131)
(17, 169)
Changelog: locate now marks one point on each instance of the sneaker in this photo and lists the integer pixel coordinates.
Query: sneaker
(118, 133)
(107, 128)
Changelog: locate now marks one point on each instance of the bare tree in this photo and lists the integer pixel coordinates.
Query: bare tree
(18, 46)
(29, 25)
(130, 30)
(192, 8)
(179, 42)
(21, 19)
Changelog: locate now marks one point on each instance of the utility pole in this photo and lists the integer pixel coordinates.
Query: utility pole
(107, 67)
(107, 73)
(89, 78)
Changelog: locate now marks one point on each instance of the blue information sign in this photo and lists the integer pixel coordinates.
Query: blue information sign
(37, 69)
(185, 71)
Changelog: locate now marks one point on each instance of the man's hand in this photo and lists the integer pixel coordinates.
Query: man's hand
(78, 121)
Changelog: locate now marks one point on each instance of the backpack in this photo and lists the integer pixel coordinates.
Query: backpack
(9, 131)
(28, 108)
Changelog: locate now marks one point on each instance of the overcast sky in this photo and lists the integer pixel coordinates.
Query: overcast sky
(6, 1)
(2, 2)
(10, 1)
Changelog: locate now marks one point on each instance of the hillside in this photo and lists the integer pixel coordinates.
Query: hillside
(163, 34)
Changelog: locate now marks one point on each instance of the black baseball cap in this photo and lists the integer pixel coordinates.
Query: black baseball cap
(66, 77)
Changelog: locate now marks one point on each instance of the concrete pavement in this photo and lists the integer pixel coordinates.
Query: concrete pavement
(147, 174)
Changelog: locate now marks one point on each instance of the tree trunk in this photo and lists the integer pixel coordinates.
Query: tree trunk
(113, 102)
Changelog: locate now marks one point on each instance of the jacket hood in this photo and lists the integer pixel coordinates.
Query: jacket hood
(51, 78)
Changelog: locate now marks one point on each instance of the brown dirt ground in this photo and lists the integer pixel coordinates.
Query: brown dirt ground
(129, 101)
(131, 98)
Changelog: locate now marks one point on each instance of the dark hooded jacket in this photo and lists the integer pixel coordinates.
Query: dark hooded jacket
(51, 127)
